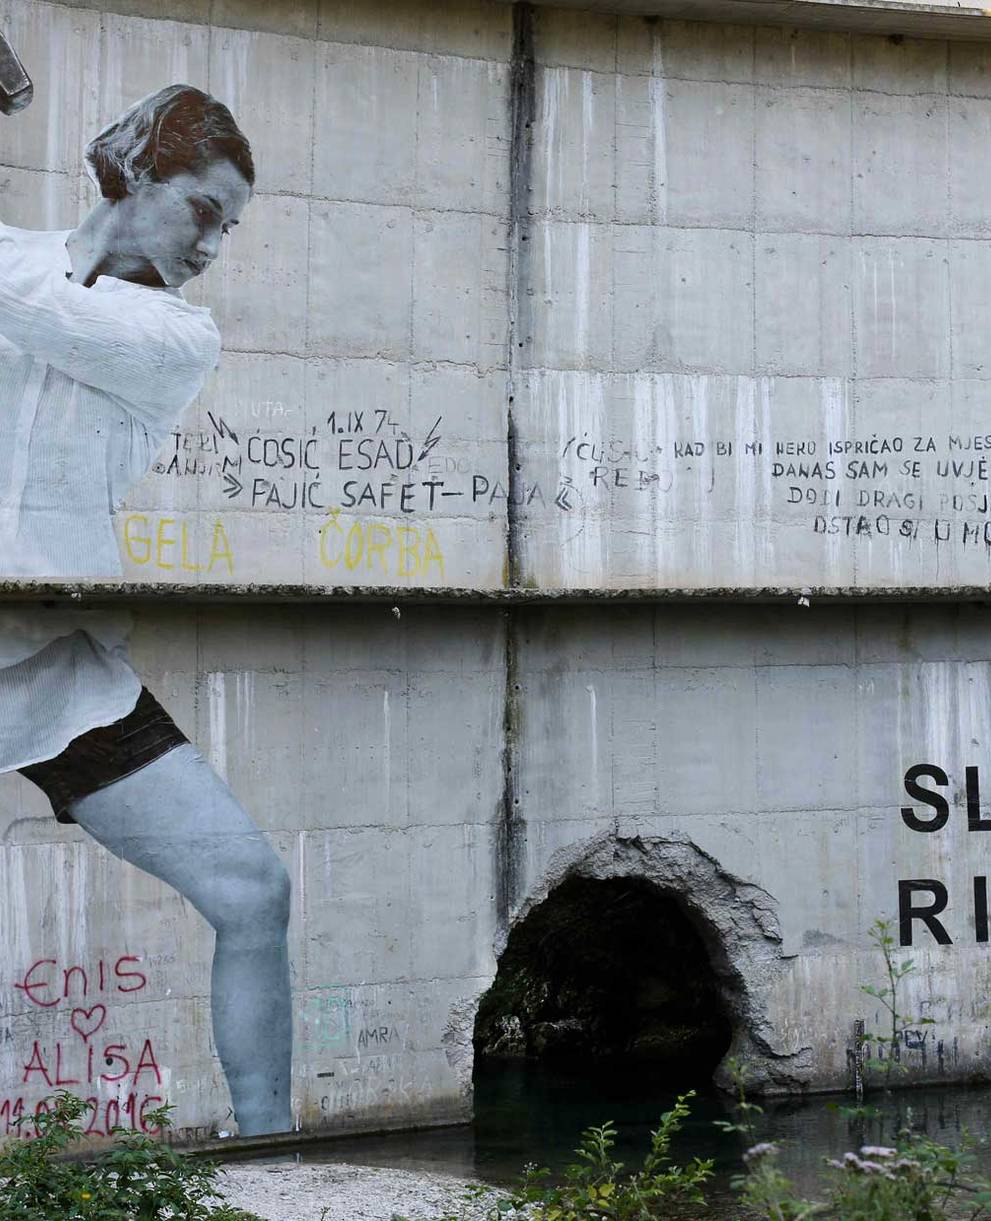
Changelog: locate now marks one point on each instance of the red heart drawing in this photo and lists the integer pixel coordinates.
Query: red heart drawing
(86, 1022)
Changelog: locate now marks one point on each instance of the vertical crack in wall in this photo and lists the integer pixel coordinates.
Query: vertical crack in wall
(522, 101)
(511, 834)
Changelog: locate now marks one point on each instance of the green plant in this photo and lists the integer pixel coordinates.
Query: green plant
(139, 1179)
(895, 972)
(917, 1179)
(747, 1112)
(595, 1189)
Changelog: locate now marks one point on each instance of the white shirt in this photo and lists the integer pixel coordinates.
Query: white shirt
(91, 382)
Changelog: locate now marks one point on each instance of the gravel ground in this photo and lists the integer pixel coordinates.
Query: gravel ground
(290, 1192)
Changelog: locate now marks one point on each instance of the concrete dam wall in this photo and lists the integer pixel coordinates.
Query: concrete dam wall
(594, 485)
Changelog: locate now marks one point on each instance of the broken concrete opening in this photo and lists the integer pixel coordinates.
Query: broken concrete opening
(607, 969)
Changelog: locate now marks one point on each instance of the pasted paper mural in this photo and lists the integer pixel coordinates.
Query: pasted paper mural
(99, 356)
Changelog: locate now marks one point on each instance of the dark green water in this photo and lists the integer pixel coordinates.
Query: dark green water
(533, 1113)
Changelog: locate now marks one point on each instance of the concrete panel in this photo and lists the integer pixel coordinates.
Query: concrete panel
(688, 50)
(818, 917)
(796, 57)
(294, 17)
(479, 29)
(138, 56)
(29, 197)
(567, 320)
(575, 144)
(238, 714)
(803, 305)
(561, 41)
(709, 125)
(335, 385)
(970, 69)
(625, 454)
(476, 406)
(816, 774)
(394, 126)
(268, 84)
(195, 11)
(354, 774)
(970, 264)
(900, 165)
(462, 139)
(459, 317)
(259, 297)
(464, 894)
(543, 637)
(466, 786)
(899, 293)
(341, 893)
(360, 288)
(171, 653)
(907, 65)
(935, 705)
(638, 776)
(782, 638)
(887, 846)
(641, 190)
(913, 409)
(803, 158)
(366, 120)
(684, 299)
(969, 122)
(691, 778)
(391, 937)
(64, 114)
(574, 779)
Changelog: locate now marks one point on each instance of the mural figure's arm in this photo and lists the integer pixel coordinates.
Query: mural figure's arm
(139, 344)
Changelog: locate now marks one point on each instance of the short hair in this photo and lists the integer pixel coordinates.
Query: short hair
(178, 128)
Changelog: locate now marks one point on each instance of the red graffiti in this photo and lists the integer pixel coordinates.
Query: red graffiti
(78, 1059)
(103, 1118)
(36, 1065)
(86, 1022)
(46, 986)
(68, 1067)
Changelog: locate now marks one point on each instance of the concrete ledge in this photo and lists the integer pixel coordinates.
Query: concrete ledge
(115, 592)
(941, 19)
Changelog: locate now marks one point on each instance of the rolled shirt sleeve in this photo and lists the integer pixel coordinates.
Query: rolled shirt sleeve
(144, 346)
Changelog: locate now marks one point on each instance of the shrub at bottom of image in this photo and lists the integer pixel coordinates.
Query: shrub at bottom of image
(916, 1179)
(138, 1179)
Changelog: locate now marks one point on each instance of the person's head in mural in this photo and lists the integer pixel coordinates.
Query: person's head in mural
(100, 354)
(175, 173)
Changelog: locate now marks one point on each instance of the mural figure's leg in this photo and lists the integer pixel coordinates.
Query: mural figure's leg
(176, 819)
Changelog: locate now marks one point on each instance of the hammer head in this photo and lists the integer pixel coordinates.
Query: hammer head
(16, 90)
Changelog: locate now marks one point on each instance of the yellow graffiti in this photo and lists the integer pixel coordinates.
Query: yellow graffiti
(400, 552)
(165, 544)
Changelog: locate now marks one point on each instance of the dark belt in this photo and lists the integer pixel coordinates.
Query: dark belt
(108, 753)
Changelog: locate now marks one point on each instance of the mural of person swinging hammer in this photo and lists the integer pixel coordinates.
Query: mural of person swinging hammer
(99, 356)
